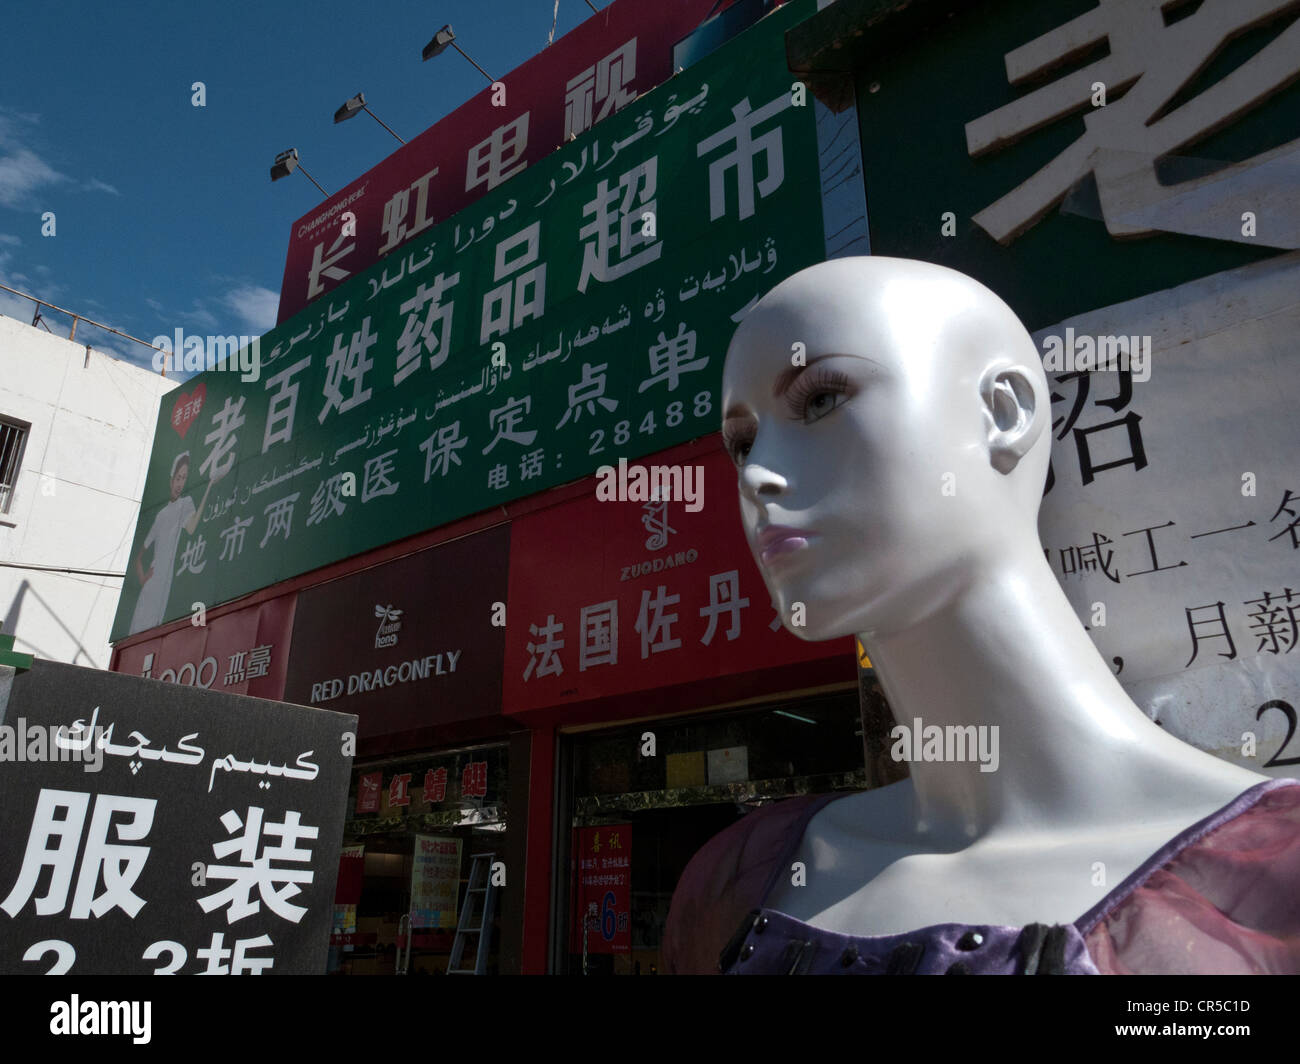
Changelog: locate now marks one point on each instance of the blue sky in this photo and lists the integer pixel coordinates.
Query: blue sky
(165, 212)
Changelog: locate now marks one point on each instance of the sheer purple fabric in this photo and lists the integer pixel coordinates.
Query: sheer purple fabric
(1222, 897)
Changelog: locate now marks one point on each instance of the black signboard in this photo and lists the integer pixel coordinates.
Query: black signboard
(157, 828)
(415, 642)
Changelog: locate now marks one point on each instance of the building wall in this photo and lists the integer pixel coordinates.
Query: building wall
(78, 489)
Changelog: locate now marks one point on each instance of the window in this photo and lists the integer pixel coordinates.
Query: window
(13, 435)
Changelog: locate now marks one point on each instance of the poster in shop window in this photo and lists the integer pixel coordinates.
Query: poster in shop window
(603, 889)
(154, 828)
(435, 881)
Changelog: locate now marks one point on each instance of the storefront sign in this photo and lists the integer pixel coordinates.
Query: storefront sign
(1043, 177)
(575, 316)
(592, 72)
(445, 663)
(368, 792)
(1173, 519)
(435, 881)
(603, 901)
(207, 842)
(460, 781)
(243, 652)
(639, 596)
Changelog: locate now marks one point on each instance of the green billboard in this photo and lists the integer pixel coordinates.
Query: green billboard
(576, 315)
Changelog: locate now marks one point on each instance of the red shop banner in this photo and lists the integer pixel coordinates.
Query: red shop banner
(244, 652)
(609, 598)
(591, 72)
(602, 889)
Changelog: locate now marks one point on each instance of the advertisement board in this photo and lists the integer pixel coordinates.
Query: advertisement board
(641, 595)
(1173, 516)
(435, 881)
(155, 828)
(407, 644)
(243, 652)
(577, 314)
(592, 72)
(602, 914)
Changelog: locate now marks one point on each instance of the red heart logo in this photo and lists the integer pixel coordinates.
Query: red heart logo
(186, 410)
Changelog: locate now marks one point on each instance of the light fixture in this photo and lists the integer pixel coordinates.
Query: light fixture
(286, 163)
(446, 38)
(793, 716)
(356, 104)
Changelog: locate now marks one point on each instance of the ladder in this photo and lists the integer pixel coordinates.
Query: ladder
(480, 887)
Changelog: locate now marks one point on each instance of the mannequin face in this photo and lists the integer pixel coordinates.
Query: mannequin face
(866, 488)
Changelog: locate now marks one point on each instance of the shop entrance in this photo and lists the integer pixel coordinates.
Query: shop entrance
(415, 828)
(639, 809)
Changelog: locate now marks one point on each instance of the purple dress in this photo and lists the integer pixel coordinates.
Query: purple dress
(1221, 897)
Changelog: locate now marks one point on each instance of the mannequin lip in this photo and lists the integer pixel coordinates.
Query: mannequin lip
(775, 540)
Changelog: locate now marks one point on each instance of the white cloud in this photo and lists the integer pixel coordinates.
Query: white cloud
(198, 316)
(255, 305)
(22, 173)
(10, 239)
(16, 307)
(96, 185)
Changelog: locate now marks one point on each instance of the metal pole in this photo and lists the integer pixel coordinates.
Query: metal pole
(311, 179)
(381, 122)
(476, 66)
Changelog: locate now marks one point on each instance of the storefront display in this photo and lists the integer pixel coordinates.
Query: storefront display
(640, 807)
(430, 816)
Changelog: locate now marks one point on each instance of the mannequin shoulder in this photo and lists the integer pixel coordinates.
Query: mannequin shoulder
(726, 879)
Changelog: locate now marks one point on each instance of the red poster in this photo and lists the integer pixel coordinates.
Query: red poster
(602, 889)
(244, 652)
(368, 787)
(640, 595)
(596, 69)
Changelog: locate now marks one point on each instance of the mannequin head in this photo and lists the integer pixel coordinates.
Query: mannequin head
(911, 446)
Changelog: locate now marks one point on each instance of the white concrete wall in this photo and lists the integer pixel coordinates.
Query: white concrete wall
(78, 491)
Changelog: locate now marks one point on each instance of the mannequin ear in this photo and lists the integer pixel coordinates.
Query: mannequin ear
(1012, 416)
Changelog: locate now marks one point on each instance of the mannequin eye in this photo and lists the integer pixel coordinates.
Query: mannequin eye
(738, 446)
(816, 394)
(819, 404)
(738, 437)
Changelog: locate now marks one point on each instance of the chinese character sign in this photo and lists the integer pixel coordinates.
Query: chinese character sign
(575, 314)
(602, 887)
(242, 652)
(591, 73)
(642, 595)
(435, 881)
(1173, 515)
(203, 838)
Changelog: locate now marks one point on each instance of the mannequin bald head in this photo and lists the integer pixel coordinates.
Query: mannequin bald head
(906, 438)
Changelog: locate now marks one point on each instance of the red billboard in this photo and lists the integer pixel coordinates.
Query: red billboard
(614, 597)
(595, 70)
(244, 652)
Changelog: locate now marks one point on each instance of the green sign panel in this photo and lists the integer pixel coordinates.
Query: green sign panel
(578, 314)
(1070, 187)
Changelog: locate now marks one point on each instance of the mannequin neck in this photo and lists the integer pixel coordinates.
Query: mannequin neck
(1008, 655)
